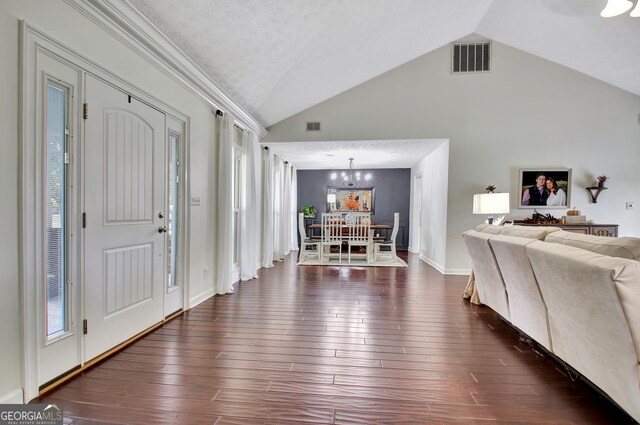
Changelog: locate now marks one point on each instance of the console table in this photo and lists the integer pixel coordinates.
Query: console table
(584, 228)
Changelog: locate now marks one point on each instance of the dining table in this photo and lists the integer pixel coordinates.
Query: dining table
(315, 231)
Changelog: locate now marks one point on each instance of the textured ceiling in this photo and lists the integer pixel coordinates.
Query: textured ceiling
(366, 153)
(279, 57)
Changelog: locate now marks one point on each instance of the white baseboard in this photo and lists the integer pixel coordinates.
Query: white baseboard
(443, 270)
(13, 397)
(200, 298)
(432, 263)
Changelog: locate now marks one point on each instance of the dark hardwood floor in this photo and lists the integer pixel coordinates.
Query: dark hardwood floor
(334, 345)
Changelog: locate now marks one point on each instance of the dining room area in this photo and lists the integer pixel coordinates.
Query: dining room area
(353, 217)
(349, 239)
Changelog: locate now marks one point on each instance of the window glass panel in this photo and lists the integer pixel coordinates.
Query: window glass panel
(172, 257)
(55, 249)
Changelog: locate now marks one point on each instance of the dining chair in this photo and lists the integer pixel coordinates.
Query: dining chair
(306, 242)
(331, 235)
(359, 234)
(391, 242)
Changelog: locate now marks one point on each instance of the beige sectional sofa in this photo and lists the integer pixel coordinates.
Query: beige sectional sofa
(576, 295)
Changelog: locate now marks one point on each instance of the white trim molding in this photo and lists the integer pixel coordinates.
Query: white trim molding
(433, 264)
(201, 298)
(442, 270)
(13, 397)
(126, 24)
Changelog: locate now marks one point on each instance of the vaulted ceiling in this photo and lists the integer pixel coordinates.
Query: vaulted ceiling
(279, 57)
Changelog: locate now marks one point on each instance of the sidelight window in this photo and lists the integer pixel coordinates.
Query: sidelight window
(57, 160)
(172, 222)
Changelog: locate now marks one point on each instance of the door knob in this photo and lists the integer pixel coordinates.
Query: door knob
(162, 229)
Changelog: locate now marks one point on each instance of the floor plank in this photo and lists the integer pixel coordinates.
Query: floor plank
(346, 345)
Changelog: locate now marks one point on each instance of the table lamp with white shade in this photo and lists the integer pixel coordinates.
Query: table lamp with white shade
(491, 203)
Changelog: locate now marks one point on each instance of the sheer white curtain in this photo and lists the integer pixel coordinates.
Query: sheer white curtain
(224, 245)
(268, 202)
(279, 242)
(250, 208)
(279, 202)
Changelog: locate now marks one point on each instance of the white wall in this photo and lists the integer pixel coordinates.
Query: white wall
(435, 177)
(64, 24)
(527, 112)
(10, 359)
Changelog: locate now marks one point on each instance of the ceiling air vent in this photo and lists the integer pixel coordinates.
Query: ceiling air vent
(471, 57)
(313, 126)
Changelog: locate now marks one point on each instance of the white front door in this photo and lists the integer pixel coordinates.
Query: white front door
(124, 193)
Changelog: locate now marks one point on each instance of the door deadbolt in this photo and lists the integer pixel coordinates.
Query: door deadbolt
(160, 214)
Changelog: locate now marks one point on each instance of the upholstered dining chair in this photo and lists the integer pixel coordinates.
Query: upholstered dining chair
(331, 235)
(391, 242)
(358, 225)
(306, 242)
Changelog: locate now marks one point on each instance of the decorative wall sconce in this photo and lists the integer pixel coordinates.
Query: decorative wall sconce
(594, 191)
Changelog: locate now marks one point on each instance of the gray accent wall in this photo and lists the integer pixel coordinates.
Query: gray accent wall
(392, 193)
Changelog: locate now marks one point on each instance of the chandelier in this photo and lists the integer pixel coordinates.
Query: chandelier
(618, 7)
(351, 177)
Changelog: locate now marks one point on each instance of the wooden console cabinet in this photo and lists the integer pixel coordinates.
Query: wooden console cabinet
(585, 229)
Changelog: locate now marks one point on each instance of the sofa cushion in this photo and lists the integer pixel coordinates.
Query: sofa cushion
(531, 232)
(526, 306)
(487, 274)
(593, 301)
(624, 247)
(489, 228)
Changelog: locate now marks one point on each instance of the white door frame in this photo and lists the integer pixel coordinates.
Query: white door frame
(62, 353)
(177, 127)
(31, 236)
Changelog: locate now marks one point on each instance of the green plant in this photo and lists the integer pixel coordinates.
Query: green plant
(309, 210)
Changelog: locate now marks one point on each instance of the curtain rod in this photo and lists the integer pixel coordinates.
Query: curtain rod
(219, 113)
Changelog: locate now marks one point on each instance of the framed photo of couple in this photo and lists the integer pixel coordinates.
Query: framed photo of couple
(544, 188)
